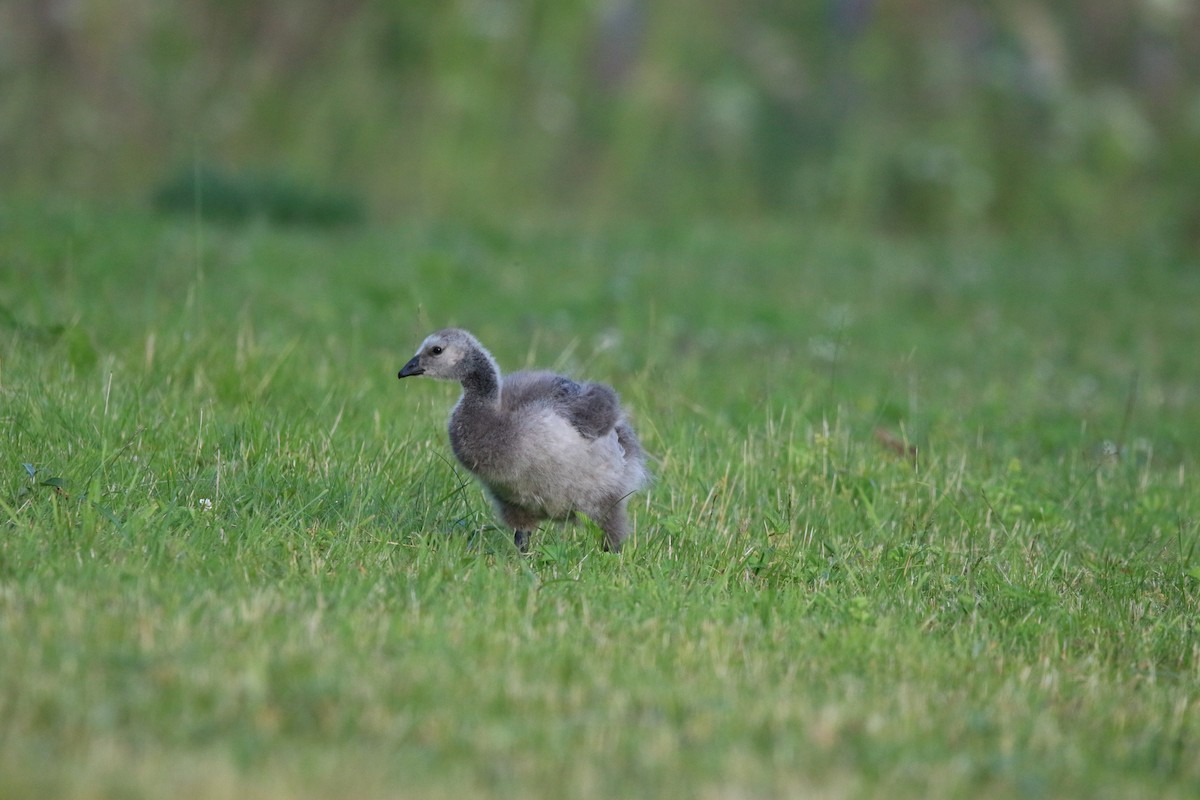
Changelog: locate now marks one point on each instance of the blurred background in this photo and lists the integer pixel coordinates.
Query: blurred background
(1077, 117)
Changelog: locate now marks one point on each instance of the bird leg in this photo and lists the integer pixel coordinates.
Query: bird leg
(520, 520)
(615, 525)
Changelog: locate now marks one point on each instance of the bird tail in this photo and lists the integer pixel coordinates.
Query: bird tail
(635, 456)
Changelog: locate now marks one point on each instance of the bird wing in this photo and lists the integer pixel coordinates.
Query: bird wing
(593, 409)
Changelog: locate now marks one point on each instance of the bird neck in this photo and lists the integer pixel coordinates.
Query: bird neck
(482, 380)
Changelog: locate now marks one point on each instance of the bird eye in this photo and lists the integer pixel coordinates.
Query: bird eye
(436, 350)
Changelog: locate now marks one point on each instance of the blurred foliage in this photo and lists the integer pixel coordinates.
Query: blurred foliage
(216, 194)
(1077, 116)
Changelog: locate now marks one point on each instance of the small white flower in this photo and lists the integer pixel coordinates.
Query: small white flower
(205, 504)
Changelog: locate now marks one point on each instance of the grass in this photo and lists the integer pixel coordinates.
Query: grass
(925, 520)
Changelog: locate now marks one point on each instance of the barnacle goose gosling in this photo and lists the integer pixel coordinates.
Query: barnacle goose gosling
(544, 446)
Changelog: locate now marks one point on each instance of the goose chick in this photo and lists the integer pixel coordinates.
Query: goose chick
(544, 446)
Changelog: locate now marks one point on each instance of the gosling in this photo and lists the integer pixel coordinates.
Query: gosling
(543, 446)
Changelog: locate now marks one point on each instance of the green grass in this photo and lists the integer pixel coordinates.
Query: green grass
(246, 566)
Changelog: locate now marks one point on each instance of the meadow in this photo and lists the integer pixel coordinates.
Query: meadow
(924, 523)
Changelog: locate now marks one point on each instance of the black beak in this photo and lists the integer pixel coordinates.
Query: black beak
(411, 368)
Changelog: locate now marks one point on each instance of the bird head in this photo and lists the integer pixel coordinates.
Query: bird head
(450, 354)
